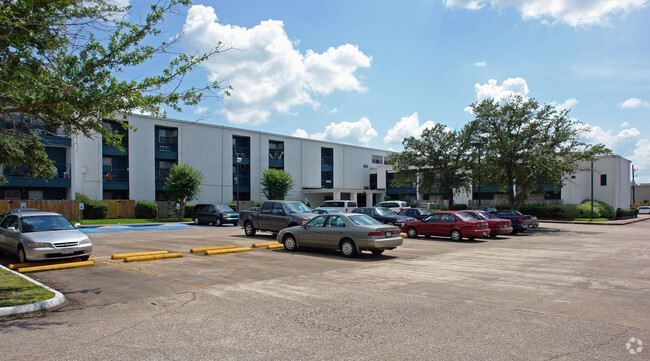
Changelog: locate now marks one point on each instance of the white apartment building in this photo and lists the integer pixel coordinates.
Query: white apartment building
(226, 156)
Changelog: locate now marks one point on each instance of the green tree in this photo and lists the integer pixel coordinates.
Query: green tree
(525, 145)
(183, 185)
(437, 161)
(276, 183)
(64, 65)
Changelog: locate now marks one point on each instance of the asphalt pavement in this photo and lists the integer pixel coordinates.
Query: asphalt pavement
(580, 293)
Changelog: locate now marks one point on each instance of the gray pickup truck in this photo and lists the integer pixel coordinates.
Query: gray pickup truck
(273, 216)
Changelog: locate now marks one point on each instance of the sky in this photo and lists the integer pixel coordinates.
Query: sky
(370, 73)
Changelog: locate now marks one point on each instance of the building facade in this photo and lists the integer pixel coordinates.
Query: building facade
(232, 161)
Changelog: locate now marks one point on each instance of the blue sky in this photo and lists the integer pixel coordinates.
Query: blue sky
(370, 73)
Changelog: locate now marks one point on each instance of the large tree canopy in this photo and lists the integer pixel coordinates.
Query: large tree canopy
(183, 185)
(437, 161)
(526, 145)
(63, 65)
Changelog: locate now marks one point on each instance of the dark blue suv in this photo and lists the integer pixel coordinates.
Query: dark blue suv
(384, 215)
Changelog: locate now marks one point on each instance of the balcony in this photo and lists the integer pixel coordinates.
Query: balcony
(115, 179)
(20, 178)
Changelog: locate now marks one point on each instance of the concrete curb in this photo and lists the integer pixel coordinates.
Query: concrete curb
(606, 223)
(55, 301)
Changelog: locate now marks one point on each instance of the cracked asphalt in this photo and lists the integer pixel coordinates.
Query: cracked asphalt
(579, 294)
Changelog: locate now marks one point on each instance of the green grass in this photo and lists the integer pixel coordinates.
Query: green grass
(131, 220)
(15, 290)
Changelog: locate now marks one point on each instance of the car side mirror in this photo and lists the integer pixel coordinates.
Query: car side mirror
(12, 230)
(77, 225)
(304, 225)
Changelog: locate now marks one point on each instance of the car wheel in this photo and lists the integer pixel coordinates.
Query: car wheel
(196, 220)
(249, 229)
(348, 248)
(290, 243)
(85, 258)
(471, 238)
(377, 252)
(217, 222)
(22, 257)
(456, 235)
(411, 232)
(493, 235)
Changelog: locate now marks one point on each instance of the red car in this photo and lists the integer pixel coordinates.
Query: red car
(454, 224)
(497, 225)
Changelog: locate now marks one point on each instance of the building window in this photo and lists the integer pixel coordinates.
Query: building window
(276, 154)
(327, 168)
(603, 179)
(377, 159)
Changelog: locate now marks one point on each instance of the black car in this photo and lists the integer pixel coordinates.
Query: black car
(417, 213)
(217, 214)
(384, 215)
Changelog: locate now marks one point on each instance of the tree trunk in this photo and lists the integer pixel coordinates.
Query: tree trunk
(450, 195)
(181, 211)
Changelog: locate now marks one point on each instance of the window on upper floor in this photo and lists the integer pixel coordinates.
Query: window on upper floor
(603, 179)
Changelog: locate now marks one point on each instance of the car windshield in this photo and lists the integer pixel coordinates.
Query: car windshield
(297, 207)
(45, 223)
(465, 217)
(486, 215)
(223, 207)
(363, 220)
(425, 212)
(385, 211)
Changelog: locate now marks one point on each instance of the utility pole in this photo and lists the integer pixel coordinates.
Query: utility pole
(633, 186)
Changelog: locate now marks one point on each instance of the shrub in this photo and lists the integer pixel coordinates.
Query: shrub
(146, 209)
(386, 198)
(603, 208)
(582, 210)
(542, 210)
(93, 209)
(233, 206)
(414, 205)
(632, 212)
(459, 207)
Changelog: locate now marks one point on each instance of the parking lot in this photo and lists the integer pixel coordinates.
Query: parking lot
(581, 293)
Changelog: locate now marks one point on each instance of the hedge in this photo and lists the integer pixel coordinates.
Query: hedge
(93, 209)
(146, 209)
(459, 207)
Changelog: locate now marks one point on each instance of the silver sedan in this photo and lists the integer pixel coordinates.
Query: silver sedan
(39, 236)
(351, 233)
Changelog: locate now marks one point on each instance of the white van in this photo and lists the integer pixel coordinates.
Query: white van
(344, 206)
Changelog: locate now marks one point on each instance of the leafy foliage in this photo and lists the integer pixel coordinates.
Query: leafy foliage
(146, 209)
(276, 184)
(183, 185)
(437, 161)
(63, 65)
(93, 209)
(527, 145)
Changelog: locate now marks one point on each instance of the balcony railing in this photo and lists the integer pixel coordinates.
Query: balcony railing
(161, 175)
(115, 175)
(61, 170)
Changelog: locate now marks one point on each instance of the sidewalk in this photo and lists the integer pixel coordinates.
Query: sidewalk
(617, 222)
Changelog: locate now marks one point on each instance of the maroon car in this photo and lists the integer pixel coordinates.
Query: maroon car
(454, 224)
(497, 225)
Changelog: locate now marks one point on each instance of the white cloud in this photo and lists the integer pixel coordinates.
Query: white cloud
(634, 103)
(481, 64)
(358, 133)
(266, 70)
(621, 142)
(200, 110)
(510, 87)
(641, 160)
(567, 105)
(407, 127)
(572, 12)
(625, 125)
(300, 133)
